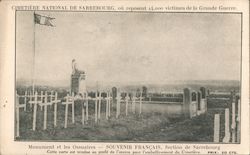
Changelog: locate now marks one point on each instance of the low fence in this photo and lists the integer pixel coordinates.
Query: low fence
(189, 103)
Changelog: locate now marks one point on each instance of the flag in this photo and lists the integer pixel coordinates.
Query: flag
(43, 20)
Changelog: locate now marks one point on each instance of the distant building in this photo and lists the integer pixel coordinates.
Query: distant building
(78, 80)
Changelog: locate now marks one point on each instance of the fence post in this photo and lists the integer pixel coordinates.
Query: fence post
(216, 128)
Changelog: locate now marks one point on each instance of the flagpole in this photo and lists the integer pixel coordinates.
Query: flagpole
(46, 22)
(34, 54)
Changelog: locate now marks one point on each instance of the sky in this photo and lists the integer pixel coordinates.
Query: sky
(129, 47)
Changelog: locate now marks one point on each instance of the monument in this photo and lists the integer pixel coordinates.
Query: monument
(78, 80)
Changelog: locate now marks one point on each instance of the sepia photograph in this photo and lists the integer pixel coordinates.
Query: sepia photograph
(113, 76)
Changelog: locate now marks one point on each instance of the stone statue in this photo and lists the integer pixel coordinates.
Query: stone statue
(78, 83)
(73, 66)
(75, 70)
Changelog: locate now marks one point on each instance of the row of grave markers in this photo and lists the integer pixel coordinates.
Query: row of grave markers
(85, 111)
(234, 134)
(98, 104)
(35, 102)
(44, 99)
(41, 100)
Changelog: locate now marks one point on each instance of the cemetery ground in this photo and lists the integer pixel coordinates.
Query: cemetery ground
(134, 127)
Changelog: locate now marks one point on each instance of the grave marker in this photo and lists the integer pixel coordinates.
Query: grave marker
(17, 115)
(227, 131)
(118, 102)
(233, 123)
(107, 105)
(55, 109)
(31, 97)
(66, 111)
(238, 121)
(133, 103)
(25, 100)
(114, 95)
(203, 92)
(87, 105)
(186, 102)
(83, 114)
(216, 128)
(84, 103)
(140, 103)
(96, 99)
(35, 102)
(45, 111)
(199, 100)
(127, 99)
(106, 112)
(69, 100)
(41, 97)
(73, 108)
(51, 98)
(99, 105)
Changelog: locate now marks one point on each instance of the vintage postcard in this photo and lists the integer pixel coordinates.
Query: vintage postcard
(125, 77)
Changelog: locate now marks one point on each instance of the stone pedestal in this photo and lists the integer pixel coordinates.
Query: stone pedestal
(78, 84)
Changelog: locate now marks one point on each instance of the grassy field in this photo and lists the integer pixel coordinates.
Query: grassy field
(147, 127)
